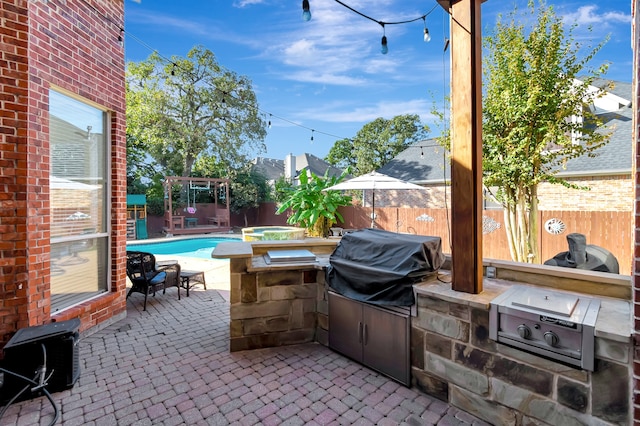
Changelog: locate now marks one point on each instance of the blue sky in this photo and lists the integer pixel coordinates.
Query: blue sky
(328, 74)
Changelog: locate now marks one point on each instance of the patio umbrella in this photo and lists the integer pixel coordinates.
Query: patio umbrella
(374, 181)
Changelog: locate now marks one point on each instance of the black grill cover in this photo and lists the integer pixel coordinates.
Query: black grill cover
(380, 267)
(585, 256)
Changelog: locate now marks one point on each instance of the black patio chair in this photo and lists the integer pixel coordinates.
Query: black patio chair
(146, 277)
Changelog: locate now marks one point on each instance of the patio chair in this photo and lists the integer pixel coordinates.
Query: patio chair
(146, 277)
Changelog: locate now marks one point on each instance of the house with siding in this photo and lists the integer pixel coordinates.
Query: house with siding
(607, 175)
(63, 164)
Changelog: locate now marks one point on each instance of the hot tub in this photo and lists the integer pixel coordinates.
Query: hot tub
(271, 233)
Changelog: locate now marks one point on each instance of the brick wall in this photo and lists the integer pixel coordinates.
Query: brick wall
(636, 248)
(72, 46)
(606, 193)
(13, 165)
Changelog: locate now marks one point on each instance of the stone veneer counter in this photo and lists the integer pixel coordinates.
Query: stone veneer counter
(614, 319)
(276, 304)
(452, 357)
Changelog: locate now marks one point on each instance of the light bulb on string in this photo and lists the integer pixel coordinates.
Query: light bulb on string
(312, 135)
(384, 48)
(269, 124)
(306, 12)
(121, 37)
(427, 36)
(421, 152)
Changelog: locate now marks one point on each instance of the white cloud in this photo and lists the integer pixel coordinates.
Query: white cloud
(343, 113)
(588, 15)
(244, 3)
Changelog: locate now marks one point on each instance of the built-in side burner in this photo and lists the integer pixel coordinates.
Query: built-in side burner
(551, 323)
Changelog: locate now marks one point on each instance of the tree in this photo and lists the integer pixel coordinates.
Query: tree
(531, 116)
(377, 143)
(190, 107)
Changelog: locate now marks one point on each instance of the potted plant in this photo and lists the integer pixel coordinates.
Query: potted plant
(311, 206)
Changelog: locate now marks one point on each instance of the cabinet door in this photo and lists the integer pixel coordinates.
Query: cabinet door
(345, 326)
(386, 343)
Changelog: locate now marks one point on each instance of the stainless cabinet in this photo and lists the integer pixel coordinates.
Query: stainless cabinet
(372, 335)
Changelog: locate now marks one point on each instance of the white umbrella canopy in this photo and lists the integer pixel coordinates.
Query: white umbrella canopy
(373, 181)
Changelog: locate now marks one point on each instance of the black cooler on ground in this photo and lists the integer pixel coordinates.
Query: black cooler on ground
(54, 346)
(381, 267)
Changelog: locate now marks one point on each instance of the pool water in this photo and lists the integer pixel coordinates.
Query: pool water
(195, 247)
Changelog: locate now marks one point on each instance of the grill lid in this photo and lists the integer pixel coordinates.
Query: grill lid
(546, 301)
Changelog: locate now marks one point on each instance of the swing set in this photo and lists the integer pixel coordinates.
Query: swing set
(196, 205)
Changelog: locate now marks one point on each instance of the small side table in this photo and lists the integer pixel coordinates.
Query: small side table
(191, 222)
(189, 279)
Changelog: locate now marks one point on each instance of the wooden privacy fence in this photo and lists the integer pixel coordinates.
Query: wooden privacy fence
(610, 230)
(607, 229)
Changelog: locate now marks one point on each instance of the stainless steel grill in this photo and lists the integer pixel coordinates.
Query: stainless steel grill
(550, 323)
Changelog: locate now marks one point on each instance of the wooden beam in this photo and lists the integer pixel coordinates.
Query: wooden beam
(466, 146)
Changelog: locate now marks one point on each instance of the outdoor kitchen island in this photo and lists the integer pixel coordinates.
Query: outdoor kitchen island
(452, 355)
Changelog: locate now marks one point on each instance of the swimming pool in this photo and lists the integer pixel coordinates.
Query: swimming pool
(191, 247)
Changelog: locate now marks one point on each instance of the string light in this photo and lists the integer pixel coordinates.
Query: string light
(312, 135)
(269, 124)
(421, 152)
(384, 49)
(306, 12)
(427, 36)
(121, 37)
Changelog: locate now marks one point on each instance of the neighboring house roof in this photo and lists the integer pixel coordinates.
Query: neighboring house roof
(426, 162)
(616, 156)
(273, 169)
(270, 168)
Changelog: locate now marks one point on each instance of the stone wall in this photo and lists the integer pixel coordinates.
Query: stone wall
(274, 305)
(453, 359)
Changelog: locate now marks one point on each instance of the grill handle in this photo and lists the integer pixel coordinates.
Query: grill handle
(364, 334)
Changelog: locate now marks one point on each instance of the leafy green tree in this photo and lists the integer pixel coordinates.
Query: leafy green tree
(530, 108)
(312, 207)
(377, 143)
(185, 108)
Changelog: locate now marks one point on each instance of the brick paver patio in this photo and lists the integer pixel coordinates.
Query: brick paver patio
(171, 365)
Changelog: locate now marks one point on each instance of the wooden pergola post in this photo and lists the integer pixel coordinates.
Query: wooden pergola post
(466, 145)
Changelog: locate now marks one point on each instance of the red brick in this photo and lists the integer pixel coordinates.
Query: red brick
(73, 47)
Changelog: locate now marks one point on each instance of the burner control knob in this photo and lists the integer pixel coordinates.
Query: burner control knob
(524, 331)
(551, 338)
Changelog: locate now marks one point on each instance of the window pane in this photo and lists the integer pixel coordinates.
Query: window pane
(78, 271)
(78, 179)
(78, 168)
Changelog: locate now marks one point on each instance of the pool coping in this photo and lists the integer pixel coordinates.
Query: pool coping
(231, 237)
